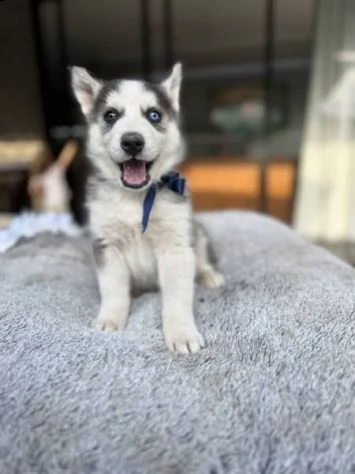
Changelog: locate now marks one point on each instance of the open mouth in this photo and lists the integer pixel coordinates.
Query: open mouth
(135, 173)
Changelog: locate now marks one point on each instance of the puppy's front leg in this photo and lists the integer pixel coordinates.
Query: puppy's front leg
(176, 274)
(114, 284)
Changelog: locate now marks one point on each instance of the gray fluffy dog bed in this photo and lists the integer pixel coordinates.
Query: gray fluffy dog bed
(274, 392)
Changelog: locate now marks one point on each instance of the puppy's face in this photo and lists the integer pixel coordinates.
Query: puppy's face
(133, 134)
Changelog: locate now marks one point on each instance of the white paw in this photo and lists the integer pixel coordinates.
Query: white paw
(108, 323)
(186, 340)
(211, 279)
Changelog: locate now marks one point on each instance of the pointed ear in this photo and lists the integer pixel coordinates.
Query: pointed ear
(172, 85)
(85, 87)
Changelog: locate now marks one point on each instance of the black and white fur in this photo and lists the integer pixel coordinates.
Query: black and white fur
(174, 249)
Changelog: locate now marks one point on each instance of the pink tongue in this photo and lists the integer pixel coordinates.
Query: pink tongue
(134, 172)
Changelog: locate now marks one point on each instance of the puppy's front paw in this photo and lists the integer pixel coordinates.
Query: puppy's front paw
(108, 322)
(186, 340)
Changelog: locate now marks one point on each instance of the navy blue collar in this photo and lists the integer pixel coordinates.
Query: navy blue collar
(172, 181)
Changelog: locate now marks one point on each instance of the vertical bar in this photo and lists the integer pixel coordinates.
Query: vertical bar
(146, 40)
(40, 59)
(268, 78)
(63, 60)
(168, 39)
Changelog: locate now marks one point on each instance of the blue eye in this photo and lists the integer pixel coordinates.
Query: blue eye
(154, 116)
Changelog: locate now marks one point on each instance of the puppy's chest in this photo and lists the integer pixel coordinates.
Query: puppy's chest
(140, 257)
(119, 220)
(118, 224)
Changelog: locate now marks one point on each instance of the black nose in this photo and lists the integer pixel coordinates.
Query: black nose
(132, 143)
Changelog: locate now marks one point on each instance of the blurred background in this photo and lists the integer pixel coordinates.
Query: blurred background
(268, 99)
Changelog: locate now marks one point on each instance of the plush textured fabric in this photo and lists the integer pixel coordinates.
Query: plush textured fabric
(274, 392)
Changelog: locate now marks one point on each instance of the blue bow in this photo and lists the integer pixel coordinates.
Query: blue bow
(172, 181)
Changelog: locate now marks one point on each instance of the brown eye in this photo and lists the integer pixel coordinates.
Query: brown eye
(111, 115)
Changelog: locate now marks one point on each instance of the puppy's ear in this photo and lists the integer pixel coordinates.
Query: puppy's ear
(172, 85)
(85, 87)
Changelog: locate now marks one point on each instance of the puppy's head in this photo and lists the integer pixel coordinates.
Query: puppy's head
(133, 126)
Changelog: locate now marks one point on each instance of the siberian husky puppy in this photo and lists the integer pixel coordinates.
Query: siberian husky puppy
(143, 230)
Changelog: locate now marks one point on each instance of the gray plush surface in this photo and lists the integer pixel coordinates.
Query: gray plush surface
(274, 392)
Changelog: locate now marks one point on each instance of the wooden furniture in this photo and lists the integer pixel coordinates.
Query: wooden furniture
(18, 160)
(224, 183)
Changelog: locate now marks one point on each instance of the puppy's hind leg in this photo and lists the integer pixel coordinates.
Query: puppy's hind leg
(114, 283)
(206, 274)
